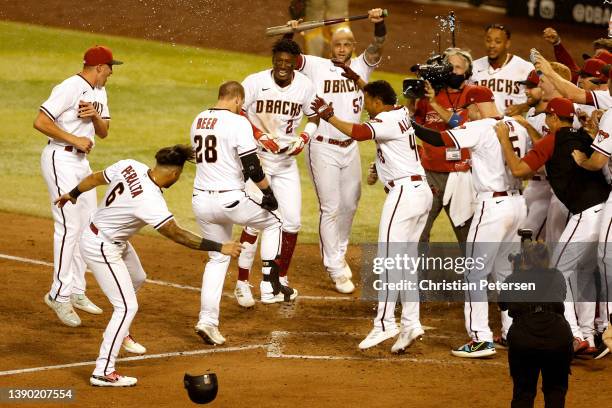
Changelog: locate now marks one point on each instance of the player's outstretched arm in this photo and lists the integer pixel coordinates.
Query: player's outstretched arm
(46, 126)
(594, 163)
(518, 167)
(565, 87)
(326, 112)
(187, 238)
(92, 181)
(373, 52)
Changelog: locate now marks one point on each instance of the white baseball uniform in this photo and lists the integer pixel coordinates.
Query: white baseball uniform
(132, 200)
(405, 210)
(503, 81)
(333, 158)
(599, 99)
(63, 167)
(220, 138)
(500, 212)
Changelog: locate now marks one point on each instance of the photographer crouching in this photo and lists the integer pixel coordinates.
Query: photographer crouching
(540, 339)
(440, 94)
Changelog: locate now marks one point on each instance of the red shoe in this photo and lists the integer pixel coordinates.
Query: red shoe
(580, 345)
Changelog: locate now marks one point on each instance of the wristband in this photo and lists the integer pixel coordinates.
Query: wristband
(454, 120)
(75, 192)
(310, 129)
(267, 191)
(208, 245)
(380, 29)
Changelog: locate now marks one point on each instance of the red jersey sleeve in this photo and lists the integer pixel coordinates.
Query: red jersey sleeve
(564, 57)
(541, 152)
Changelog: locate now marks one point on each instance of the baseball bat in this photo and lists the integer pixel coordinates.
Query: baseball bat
(309, 25)
(451, 21)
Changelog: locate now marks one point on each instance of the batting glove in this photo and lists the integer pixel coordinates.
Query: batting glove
(348, 72)
(268, 142)
(322, 108)
(268, 202)
(372, 174)
(297, 145)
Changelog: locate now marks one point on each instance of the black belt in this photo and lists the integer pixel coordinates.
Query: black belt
(392, 184)
(70, 148)
(341, 143)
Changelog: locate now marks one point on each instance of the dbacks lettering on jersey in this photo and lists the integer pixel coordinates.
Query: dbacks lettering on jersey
(339, 86)
(506, 86)
(279, 107)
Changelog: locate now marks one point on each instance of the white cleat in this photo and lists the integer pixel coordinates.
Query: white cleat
(377, 336)
(343, 284)
(210, 334)
(268, 298)
(406, 338)
(132, 346)
(283, 280)
(346, 270)
(83, 303)
(112, 380)
(64, 311)
(243, 294)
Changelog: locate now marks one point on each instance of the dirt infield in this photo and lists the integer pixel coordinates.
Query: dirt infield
(239, 25)
(305, 354)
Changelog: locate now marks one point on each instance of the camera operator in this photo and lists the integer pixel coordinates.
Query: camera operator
(447, 168)
(540, 339)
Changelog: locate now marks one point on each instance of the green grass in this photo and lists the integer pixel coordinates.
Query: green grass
(153, 99)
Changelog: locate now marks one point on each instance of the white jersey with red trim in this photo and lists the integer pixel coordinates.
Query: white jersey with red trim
(503, 81)
(62, 107)
(489, 171)
(600, 99)
(603, 142)
(396, 153)
(344, 95)
(275, 110)
(219, 138)
(537, 121)
(132, 201)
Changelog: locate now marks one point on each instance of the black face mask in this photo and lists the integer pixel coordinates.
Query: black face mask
(455, 80)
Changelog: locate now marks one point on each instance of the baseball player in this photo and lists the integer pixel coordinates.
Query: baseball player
(500, 211)
(333, 158)
(76, 111)
(275, 101)
(133, 199)
(501, 71)
(407, 205)
(225, 147)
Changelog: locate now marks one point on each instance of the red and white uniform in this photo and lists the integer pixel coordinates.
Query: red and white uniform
(63, 167)
(503, 81)
(132, 200)
(405, 210)
(219, 201)
(333, 158)
(501, 210)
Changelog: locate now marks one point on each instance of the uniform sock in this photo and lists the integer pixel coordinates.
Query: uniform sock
(245, 261)
(287, 248)
(243, 274)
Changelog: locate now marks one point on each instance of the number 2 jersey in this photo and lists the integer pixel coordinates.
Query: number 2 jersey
(132, 201)
(219, 138)
(396, 153)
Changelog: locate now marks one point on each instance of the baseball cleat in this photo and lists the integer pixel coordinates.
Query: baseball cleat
(83, 303)
(580, 345)
(475, 349)
(346, 271)
(267, 296)
(112, 380)
(243, 294)
(64, 311)
(601, 351)
(406, 338)
(377, 336)
(500, 342)
(343, 284)
(210, 334)
(132, 346)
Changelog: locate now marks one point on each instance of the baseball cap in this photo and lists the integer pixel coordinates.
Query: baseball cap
(532, 81)
(478, 94)
(562, 107)
(592, 68)
(99, 55)
(605, 56)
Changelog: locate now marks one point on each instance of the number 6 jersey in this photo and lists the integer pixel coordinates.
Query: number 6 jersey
(220, 138)
(132, 201)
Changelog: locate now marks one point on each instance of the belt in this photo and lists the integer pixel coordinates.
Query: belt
(539, 178)
(70, 148)
(493, 194)
(392, 183)
(341, 143)
(93, 228)
(214, 191)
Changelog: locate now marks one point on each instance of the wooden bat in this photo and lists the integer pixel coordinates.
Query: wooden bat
(309, 25)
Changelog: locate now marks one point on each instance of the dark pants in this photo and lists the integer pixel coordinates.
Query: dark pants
(525, 368)
(438, 183)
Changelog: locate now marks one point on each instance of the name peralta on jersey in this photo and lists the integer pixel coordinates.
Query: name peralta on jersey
(396, 149)
(344, 95)
(62, 107)
(503, 81)
(132, 200)
(275, 110)
(489, 171)
(219, 138)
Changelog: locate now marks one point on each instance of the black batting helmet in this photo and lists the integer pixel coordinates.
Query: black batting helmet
(202, 389)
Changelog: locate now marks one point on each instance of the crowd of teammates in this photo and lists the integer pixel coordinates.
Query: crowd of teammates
(498, 121)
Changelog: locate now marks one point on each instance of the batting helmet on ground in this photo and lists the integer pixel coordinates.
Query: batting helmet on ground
(202, 389)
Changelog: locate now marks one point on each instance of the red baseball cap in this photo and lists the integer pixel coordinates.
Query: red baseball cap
(561, 107)
(532, 81)
(478, 94)
(605, 56)
(99, 55)
(592, 68)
